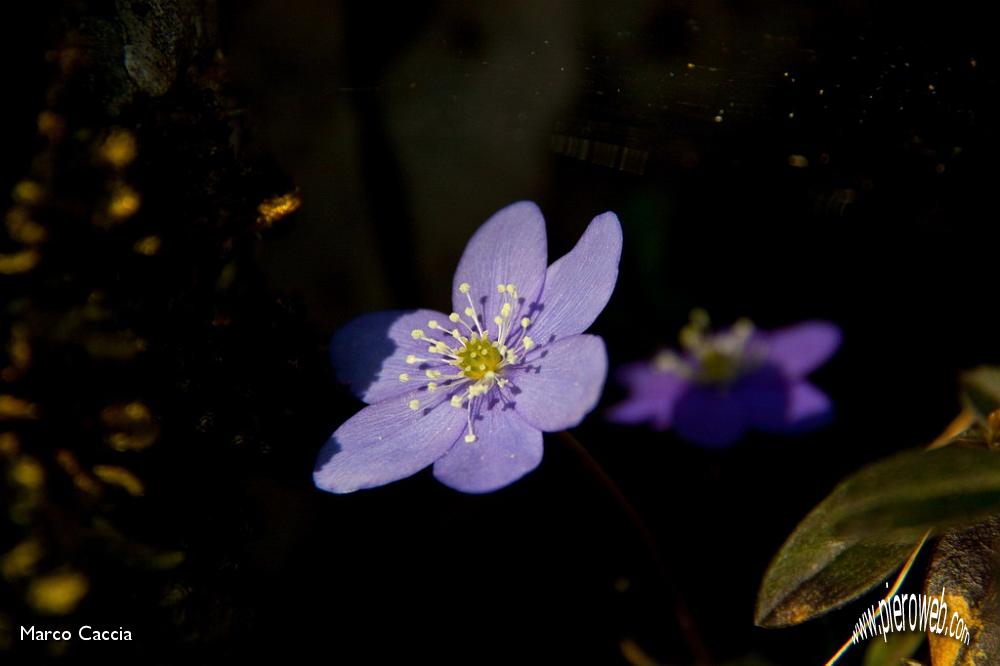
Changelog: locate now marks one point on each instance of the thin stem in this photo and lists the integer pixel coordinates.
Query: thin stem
(689, 628)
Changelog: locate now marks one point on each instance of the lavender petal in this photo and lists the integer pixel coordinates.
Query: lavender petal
(764, 395)
(561, 382)
(579, 284)
(652, 396)
(711, 417)
(506, 448)
(388, 441)
(802, 348)
(509, 248)
(808, 407)
(369, 352)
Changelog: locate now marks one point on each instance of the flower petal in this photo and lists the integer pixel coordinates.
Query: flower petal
(369, 352)
(509, 248)
(641, 409)
(652, 396)
(764, 395)
(561, 382)
(579, 284)
(802, 348)
(708, 416)
(388, 441)
(808, 407)
(506, 448)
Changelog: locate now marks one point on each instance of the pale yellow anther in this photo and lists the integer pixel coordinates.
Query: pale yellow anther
(512, 290)
(414, 405)
(411, 359)
(525, 322)
(433, 374)
(416, 333)
(690, 337)
(432, 387)
(527, 342)
(464, 287)
(432, 324)
(497, 320)
(505, 310)
(700, 319)
(454, 317)
(482, 367)
(490, 375)
(455, 333)
(403, 377)
(470, 438)
(469, 312)
(501, 288)
(456, 401)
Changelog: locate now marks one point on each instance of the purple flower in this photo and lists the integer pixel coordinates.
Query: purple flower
(725, 383)
(472, 391)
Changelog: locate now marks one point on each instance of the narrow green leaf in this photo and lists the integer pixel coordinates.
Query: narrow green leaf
(963, 571)
(916, 491)
(816, 571)
(871, 522)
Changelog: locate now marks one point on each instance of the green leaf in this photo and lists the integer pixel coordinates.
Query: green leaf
(981, 390)
(963, 570)
(917, 491)
(867, 527)
(893, 649)
(816, 571)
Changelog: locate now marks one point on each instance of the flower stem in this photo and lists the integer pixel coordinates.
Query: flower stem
(684, 618)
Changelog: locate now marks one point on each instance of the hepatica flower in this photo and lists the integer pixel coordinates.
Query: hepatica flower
(724, 383)
(470, 392)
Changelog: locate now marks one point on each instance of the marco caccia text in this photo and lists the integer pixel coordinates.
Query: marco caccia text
(84, 633)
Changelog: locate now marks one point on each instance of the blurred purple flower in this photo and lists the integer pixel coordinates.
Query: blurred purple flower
(725, 383)
(472, 392)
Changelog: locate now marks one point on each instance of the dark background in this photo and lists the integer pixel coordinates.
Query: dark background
(405, 128)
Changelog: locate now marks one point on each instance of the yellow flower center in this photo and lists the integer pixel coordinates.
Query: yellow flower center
(479, 358)
(468, 348)
(711, 358)
(718, 368)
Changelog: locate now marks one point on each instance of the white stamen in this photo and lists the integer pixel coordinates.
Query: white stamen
(478, 368)
(471, 310)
